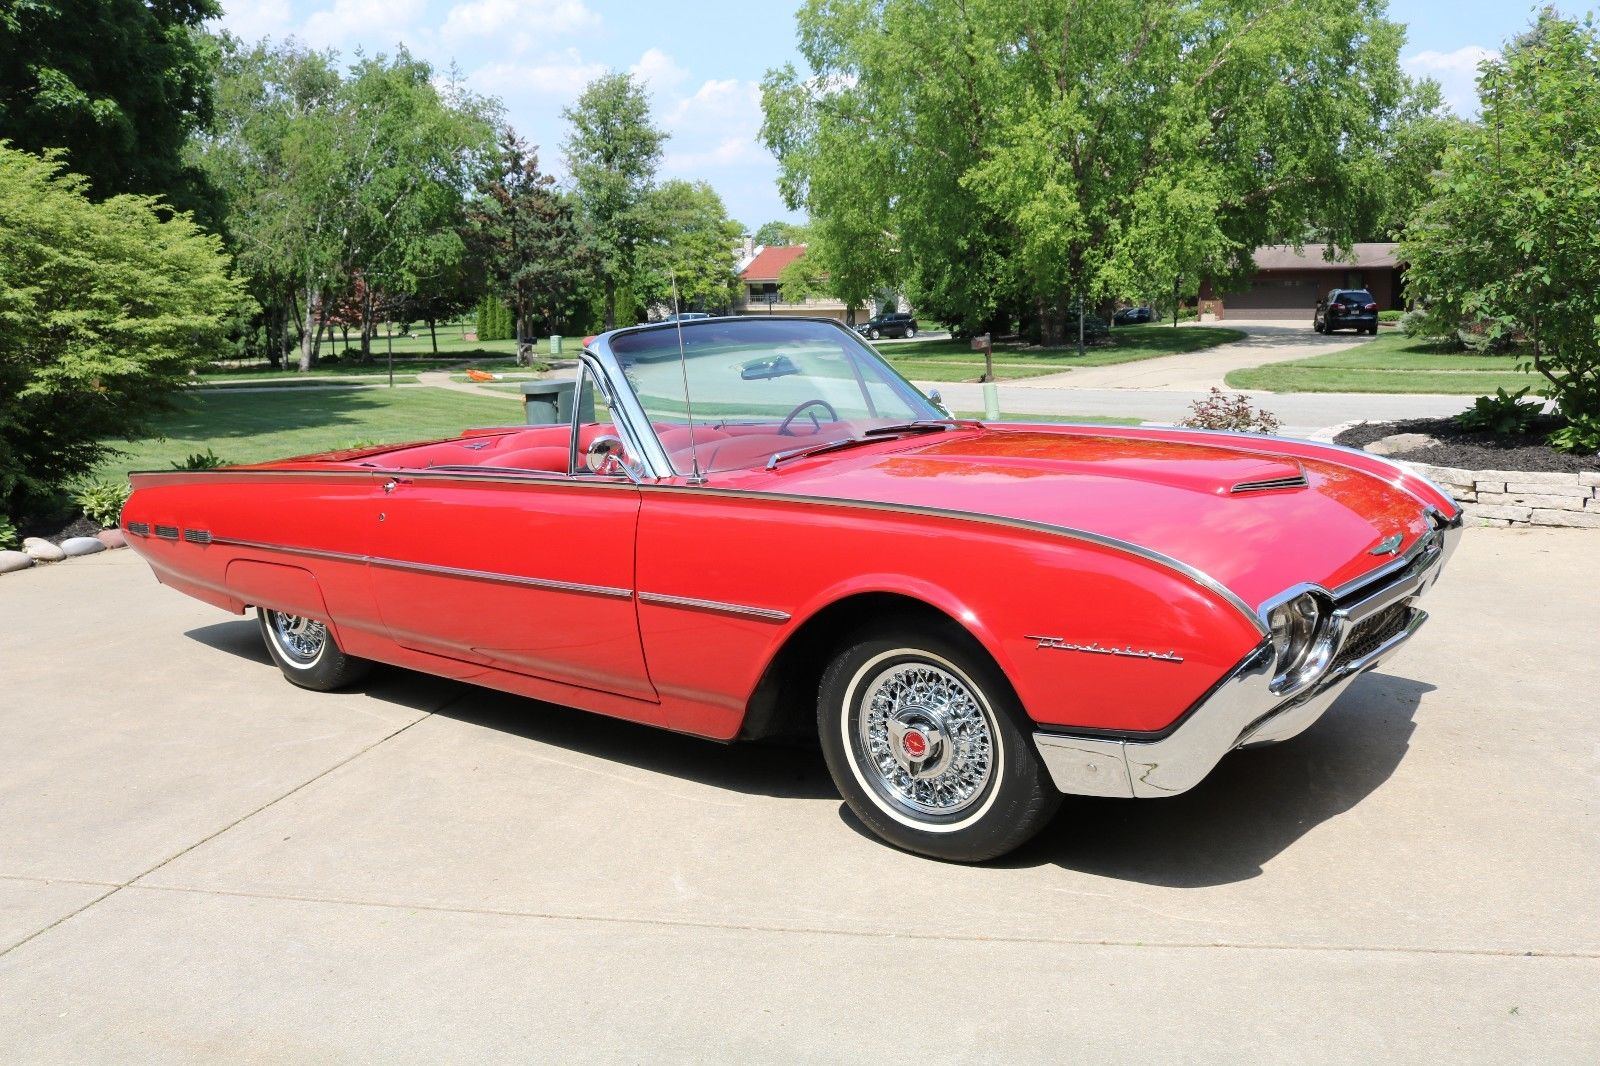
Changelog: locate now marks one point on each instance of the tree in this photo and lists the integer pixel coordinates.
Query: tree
(1506, 245)
(325, 178)
(1014, 155)
(528, 239)
(104, 309)
(119, 85)
(612, 154)
(803, 279)
(696, 246)
(780, 234)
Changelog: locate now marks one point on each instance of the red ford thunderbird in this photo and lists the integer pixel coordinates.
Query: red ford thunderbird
(748, 528)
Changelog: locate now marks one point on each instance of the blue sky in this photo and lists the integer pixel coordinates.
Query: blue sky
(704, 60)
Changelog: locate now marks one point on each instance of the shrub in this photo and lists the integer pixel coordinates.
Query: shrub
(102, 501)
(8, 533)
(1390, 316)
(206, 460)
(1580, 436)
(1503, 414)
(1218, 410)
(104, 309)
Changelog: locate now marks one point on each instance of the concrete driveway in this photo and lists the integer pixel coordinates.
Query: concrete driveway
(199, 862)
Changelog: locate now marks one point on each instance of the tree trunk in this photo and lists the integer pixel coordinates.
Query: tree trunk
(611, 303)
(366, 327)
(433, 335)
(311, 334)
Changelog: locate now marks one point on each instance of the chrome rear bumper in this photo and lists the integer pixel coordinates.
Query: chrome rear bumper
(1243, 711)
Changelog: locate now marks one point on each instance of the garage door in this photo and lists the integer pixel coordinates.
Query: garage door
(1287, 298)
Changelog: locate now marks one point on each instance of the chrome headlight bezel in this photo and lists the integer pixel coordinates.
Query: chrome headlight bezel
(1301, 631)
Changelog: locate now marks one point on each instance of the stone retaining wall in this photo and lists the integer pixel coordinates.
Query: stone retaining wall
(1519, 497)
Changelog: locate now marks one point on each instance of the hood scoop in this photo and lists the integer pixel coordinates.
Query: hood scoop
(1296, 480)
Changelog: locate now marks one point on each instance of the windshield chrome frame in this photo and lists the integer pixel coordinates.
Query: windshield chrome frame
(634, 421)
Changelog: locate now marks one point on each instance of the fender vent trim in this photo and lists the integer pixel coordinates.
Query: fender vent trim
(167, 532)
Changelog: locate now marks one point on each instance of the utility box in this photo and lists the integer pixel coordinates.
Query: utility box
(549, 403)
(555, 344)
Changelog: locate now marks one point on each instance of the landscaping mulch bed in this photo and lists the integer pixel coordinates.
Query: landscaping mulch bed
(1471, 449)
(57, 526)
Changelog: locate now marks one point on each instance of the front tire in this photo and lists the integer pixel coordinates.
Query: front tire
(930, 748)
(911, 334)
(873, 334)
(307, 653)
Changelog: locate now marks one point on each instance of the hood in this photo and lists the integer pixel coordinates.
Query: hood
(1258, 523)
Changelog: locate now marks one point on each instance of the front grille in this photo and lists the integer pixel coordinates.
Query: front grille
(1369, 634)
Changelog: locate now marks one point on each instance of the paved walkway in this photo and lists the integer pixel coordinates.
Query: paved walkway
(1267, 342)
(201, 863)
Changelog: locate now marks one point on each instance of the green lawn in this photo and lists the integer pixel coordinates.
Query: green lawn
(301, 381)
(255, 427)
(1390, 363)
(1098, 420)
(950, 360)
(411, 354)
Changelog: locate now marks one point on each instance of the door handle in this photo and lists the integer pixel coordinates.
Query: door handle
(394, 483)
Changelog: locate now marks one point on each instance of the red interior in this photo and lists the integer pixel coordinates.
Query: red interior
(544, 448)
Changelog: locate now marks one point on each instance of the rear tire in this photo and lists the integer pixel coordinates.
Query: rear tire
(930, 748)
(307, 653)
(873, 333)
(911, 333)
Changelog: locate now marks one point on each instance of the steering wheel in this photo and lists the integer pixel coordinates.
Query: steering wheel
(783, 427)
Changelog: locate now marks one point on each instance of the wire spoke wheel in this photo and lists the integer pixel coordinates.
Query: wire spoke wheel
(925, 740)
(300, 640)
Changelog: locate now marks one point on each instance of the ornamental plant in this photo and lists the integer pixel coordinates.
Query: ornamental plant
(1503, 414)
(1218, 410)
(104, 309)
(102, 501)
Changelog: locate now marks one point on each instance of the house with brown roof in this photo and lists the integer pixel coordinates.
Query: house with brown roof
(1287, 283)
(759, 291)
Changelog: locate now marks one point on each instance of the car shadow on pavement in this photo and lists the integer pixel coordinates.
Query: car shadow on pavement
(780, 771)
(1253, 806)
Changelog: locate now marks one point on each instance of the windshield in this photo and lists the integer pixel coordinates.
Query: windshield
(1358, 296)
(761, 387)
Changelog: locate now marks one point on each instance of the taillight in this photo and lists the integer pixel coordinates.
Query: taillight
(1335, 308)
(1372, 307)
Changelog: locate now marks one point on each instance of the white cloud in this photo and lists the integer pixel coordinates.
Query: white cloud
(251, 20)
(526, 21)
(716, 129)
(658, 71)
(1456, 72)
(376, 23)
(556, 78)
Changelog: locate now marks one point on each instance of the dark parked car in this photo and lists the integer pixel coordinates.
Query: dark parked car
(897, 324)
(1132, 316)
(1346, 309)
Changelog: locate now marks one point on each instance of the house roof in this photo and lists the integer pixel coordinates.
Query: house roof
(1312, 257)
(769, 262)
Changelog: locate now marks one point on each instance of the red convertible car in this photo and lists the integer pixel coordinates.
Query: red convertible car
(754, 527)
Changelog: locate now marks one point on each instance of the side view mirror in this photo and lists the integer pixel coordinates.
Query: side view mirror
(938, 401)
(605, 456)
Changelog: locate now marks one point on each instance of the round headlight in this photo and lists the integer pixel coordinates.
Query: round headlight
(1294, 625)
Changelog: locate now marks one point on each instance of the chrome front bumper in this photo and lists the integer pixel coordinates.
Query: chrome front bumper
(1243, 711)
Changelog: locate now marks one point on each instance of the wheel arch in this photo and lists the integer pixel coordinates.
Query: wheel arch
(782, 705)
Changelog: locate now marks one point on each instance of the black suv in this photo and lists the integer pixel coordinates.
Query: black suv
(1346, 309)
(897, 324)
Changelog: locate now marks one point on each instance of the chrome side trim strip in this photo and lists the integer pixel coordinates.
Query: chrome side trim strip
(430, 568)
(765, 614)
(1177, 566)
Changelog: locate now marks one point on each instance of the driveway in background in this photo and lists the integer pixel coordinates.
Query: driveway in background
(199, 862)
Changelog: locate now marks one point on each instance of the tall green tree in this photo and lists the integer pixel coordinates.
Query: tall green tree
(781, 234)
(1023, 153)
(612, 155)
(696, 245)
(104, 309)
(1506, 245)
(118, 85)
(528, 239)
(275, 178)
